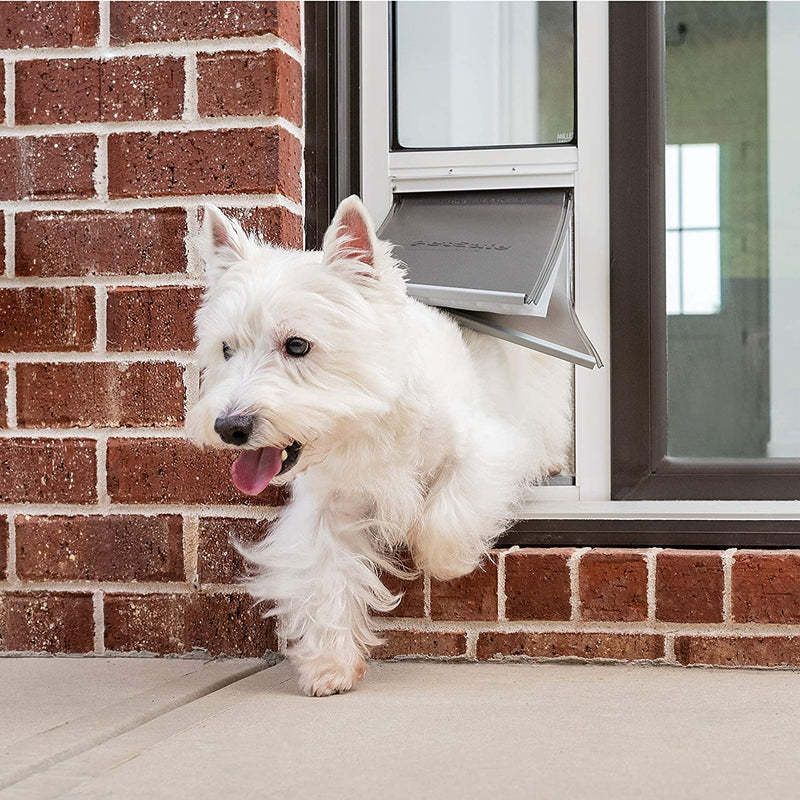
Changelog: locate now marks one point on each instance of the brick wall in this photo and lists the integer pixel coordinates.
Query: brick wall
(116, 121)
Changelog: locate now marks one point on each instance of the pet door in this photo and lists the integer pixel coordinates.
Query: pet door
(498, 261)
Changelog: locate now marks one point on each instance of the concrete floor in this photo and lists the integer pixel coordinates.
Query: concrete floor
(160, 728)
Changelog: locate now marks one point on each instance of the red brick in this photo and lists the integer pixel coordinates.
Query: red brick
(3, 548)
(553, 644)
(274, 224)
(151, 318)
(237, 84)
(3, 393)
(689, 586)
(472, 597)
(739, 651)
(42, 319)
(48, 471)
(766, 587)
(412, 588)
(217, 559)
(432, 644)
(175, 471)
(174, 21)
(91, 90)
(112, 548)
(49, 24)
(538, 584)
(100, 395)
(47, 167)
(234, 161)
(2, 113)
(412, 603)
(66, 243)
(52, 622)
(613, 585)
(220, 624)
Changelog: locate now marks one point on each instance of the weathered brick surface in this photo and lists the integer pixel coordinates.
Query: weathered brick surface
(218, 561)
(111, 548)
(38, 319)
(613, 585)
(48, 24)
(94, 90)
(552, 644)
(739, 651)
(100, 395)
(274, 224)
(235, 161)
(174, 471)
(47, 471)
(689, 586)
(766, 587)
(151, 318)
(66, 243)
(412, 603)
(3, 392)
(173, 21)
(472, 597)
(538, 584)
(250, 84)
(47, 167)
(434, 644)
(52, 622)
(3, 548)
(221, 624)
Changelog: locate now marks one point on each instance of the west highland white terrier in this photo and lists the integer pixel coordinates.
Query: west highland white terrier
(397, 429)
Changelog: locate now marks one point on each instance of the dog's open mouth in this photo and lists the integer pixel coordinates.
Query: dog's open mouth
(254, 469)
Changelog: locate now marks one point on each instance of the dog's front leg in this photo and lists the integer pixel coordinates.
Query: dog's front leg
(315, 571)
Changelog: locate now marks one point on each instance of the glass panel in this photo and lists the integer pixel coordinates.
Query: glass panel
(673, 272)
(700, 284)
(481, 74)
(699, 190)
(733, 276)
(672, 169)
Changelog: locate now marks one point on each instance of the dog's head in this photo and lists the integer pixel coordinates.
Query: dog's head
(293, 347)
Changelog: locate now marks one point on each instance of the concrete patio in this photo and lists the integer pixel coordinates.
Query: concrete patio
(169, 728)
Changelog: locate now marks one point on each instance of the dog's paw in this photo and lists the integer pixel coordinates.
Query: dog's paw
(328, 675)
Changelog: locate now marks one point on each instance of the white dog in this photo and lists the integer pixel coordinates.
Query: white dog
(396, 428)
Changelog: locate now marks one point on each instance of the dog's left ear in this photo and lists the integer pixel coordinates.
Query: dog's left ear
(351, 238)
(221, 242)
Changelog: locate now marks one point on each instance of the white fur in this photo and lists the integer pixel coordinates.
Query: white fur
(417, 434)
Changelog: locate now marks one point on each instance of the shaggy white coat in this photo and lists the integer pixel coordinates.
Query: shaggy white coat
(417, 434)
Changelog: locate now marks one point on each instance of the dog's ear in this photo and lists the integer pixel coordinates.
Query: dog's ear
(351, 238)
(222, 241)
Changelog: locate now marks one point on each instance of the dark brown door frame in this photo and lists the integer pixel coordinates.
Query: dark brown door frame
(332, 112)
(640, 466)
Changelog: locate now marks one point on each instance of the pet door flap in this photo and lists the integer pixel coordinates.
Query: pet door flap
(498, 261)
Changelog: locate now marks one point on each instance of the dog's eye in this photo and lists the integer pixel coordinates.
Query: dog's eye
(226, 351)
(296, 346)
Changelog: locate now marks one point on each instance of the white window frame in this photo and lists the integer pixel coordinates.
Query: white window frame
(585, 168)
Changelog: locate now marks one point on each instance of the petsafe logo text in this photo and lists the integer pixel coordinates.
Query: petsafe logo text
(470, 245)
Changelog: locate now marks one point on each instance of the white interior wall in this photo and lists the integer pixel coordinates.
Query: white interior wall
(783, 68)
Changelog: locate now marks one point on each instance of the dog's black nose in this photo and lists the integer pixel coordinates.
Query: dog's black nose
(234, 430)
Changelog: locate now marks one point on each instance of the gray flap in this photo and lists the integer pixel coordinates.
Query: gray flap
(488, 250)
(559, 334)
(500, 262)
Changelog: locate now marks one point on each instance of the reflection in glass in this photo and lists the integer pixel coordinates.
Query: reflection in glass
(470, 73)
(692, 213)
(733, 238)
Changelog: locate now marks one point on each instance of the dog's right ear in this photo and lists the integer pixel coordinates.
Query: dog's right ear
(221, 243)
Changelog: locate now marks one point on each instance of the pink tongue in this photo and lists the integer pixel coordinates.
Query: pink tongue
(254, 469)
